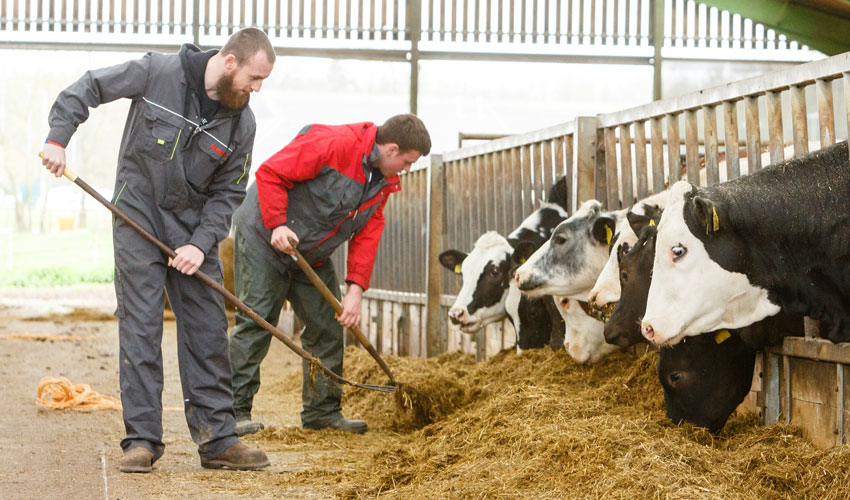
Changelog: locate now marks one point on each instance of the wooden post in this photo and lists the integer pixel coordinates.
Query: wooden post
(435, 244)
(585, 146)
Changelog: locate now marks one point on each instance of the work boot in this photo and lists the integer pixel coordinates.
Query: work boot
(237, 457)
(138, 459)
(247, 427)
(341, 423)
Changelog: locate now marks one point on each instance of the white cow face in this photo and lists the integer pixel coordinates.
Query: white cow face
(606, 290)
(485, 270)
(691, 293)
(569, 262)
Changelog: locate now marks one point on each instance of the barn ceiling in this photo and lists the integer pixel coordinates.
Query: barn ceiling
(823, 25)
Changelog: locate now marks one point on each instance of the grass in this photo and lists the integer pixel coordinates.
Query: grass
(59, 258)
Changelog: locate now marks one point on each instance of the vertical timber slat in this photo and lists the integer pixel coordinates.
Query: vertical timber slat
(692, 146)
(674, 160)
(626, 166)
(613, 198)
(799, 124)
(656, 141)
(826, 118)
(709, 117)
(641, 175)
(774, 125)
(730, 127)
(751, 108)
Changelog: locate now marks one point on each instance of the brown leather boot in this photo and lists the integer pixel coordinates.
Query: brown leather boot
(237, 457)
(138, 459)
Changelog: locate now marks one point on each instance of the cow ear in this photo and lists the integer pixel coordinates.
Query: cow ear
(603, 229)
(638, 221)
(622, 250)
(452, 259)
(706, 213)
(522, 252)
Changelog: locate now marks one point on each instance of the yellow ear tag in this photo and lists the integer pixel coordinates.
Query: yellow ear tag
(608, 234)
(160, 141)
(651, 222)
(457, 268)
(722, 336)
(716, 219)
(522, 260)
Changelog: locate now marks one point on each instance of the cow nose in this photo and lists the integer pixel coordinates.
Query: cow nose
(456, 315)
(648, 332)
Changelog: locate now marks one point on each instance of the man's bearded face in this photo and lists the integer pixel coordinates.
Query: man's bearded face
(229, 95)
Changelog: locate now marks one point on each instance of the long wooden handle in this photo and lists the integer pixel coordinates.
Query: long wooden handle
(273, 330)
(331, 299)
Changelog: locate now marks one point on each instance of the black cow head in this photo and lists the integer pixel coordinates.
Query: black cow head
(623, 327)
(705, 377)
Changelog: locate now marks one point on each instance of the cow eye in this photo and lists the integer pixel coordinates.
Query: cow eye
(558, 239)
(678, 251)
(624, 277)
(495, 273)
(674, 378)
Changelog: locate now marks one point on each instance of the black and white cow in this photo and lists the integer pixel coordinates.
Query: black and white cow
(485, 292)
(704, 377)
(606, 291)
(538, 226)
(569, 263)
(485, 273)
(732, 254)
(567, 266)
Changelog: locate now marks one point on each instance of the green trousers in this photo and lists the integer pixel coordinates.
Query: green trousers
(264, 289)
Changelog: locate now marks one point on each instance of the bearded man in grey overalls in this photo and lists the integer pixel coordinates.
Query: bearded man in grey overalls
(182, 171)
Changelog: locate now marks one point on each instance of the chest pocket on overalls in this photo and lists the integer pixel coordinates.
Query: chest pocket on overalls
(210, 155)
(161, 135)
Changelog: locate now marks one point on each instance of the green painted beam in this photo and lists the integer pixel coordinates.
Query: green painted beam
(819, 30)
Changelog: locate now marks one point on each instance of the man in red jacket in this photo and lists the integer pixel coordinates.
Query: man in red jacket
(329, 185)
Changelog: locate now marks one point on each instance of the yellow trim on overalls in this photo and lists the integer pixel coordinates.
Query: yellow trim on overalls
(175, 144)
(244, 168)
(116, 198)
(119, 192)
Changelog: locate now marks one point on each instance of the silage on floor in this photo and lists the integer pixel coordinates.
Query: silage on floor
(540, 426)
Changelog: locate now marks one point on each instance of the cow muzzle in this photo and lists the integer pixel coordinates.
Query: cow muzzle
(458, 315)
(601, 313)
(526, 283)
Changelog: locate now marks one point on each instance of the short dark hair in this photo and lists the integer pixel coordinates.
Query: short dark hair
(246, 42)
(407, 131)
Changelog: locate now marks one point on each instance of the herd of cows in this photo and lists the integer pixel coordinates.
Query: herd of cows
(710, 275)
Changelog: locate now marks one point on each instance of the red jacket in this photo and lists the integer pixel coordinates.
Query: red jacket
(317, 185)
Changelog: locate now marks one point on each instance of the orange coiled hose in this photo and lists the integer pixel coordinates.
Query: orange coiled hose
(59, 393)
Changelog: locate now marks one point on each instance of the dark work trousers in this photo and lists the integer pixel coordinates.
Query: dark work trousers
(141, 272)
(264, 289)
